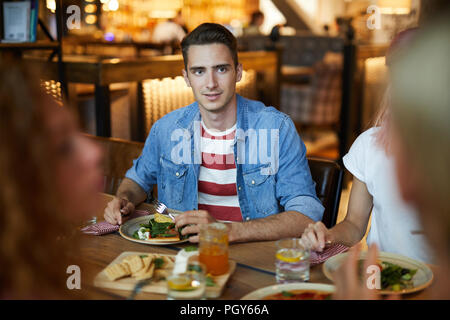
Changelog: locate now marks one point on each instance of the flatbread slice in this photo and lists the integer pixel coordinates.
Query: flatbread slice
(117, 271)
(135, 263)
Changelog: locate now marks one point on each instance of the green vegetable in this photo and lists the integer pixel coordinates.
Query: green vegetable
(393, 277)
(157, 229)
(166, 235)
(143, 256)
(136, 235)
(396, 287)
(159, 262)
(195, 268)
(190, 248)
(210, 282)
(287, 294)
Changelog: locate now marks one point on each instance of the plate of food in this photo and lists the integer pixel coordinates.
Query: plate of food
(155, 229)
(127, 270)
(399, 274)
(293, 291)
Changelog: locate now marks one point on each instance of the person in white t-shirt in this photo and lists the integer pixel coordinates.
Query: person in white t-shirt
(394, 223)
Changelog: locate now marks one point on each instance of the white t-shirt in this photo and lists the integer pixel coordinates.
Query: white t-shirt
(392, 219)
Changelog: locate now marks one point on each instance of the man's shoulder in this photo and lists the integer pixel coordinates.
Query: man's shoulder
(172, 118)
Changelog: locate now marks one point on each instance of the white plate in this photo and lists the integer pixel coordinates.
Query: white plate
(260, 294)
(421, 280)
(127, 230)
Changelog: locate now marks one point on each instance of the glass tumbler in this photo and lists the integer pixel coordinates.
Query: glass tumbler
(291, 261)
(213, 248)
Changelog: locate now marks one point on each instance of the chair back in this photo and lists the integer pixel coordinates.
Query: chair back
(118, 158)
(328, 176)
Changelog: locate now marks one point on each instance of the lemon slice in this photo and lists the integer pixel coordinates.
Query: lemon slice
(162, 218)
(289, 255)
(180, 283)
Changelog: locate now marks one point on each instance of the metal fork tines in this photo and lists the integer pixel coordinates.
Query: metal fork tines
(162, 208)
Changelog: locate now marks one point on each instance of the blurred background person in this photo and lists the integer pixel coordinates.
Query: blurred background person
(420, 140)
(421, 137)
(256, 21)
(170, 31)
(51, 177)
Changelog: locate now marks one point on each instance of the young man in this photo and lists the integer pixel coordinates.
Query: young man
(210, 159)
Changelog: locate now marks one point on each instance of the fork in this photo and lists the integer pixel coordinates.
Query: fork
(162, 208)
(138, 287)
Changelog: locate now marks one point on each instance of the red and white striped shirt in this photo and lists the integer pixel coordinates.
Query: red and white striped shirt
(217, 179)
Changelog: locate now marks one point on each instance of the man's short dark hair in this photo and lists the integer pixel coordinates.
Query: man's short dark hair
(209, 33)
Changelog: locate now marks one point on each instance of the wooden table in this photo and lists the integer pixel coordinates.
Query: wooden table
(255, 265)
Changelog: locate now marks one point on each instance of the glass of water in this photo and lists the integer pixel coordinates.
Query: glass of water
(291, 261)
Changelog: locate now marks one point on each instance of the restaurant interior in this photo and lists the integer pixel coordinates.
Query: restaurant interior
(321, 62)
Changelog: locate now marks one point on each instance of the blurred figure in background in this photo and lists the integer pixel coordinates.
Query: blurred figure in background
(170, 31)
(419, 142)
(421, 137)
(51, 176)
(256, 21)
(374, 191)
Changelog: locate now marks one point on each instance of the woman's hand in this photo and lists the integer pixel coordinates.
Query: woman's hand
(347, 278)
(316, 236)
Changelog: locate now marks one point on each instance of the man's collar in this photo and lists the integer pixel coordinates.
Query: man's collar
(192, 114)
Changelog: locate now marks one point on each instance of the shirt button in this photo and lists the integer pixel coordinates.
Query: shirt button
(253, 181)
(248, 218)
(177, 174)
(237, 158)
(239, 188)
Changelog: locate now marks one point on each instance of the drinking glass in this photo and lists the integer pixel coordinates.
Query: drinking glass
(291, 261)
(213, 248)
(189, 285)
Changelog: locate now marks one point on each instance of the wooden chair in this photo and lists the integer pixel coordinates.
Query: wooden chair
(118, 158)
(328, 176)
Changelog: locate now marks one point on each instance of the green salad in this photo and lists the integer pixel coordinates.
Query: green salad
(154, 229)
(393, 277)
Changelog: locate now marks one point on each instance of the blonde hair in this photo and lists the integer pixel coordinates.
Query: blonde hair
(382, 120)
(421, 113)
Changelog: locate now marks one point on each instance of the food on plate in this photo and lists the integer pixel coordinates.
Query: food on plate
(393, 276)
(159, 228)
(299, 295)
(141, 267)
(117, 271)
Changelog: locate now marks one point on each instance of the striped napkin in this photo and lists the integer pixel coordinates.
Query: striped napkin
(319, 257)
(104, 227)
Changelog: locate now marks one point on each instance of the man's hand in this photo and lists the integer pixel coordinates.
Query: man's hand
(192, 220)
(116, 208)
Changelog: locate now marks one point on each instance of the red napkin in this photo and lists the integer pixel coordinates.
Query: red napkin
(104, 227)
(319, 257)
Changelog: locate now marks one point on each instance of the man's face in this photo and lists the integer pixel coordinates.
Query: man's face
(212, 76)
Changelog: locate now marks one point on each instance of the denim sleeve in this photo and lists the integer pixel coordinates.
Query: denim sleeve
(145, 168)
(295, 187)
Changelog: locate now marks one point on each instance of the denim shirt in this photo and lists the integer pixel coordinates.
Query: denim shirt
(272, 173)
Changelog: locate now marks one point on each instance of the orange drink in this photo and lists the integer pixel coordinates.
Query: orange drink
(213, 248)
